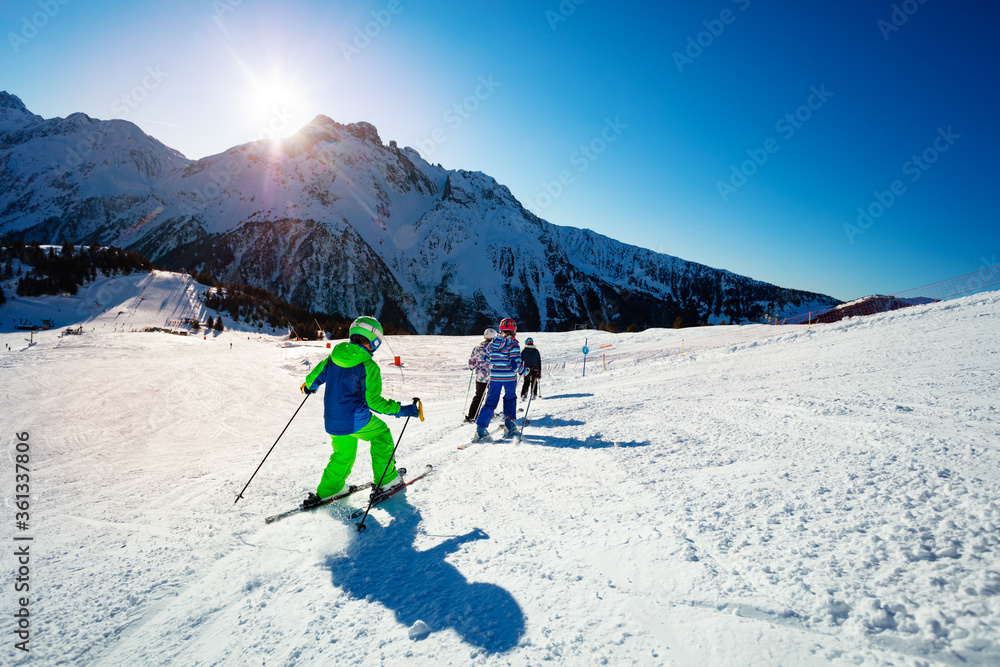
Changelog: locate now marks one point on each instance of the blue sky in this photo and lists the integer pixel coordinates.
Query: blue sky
(740, 134)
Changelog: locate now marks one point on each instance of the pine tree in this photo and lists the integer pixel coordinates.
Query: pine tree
(218, 323)
(211, 323)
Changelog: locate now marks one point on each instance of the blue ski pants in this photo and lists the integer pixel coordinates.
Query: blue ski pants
(509, 388)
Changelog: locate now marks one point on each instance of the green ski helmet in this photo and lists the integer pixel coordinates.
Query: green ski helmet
(369, 328)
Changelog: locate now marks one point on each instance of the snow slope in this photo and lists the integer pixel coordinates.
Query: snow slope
(117, 304)
(829, 496)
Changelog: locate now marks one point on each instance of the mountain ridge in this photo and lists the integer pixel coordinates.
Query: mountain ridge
(335, 220)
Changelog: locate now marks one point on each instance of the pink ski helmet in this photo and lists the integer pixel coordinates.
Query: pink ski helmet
(508, 324)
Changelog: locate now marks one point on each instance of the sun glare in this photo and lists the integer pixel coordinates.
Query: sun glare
(271, 109)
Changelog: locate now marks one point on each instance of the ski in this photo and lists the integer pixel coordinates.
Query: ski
(385, 496)
(504, 435)
(487, 438)
(352, 489)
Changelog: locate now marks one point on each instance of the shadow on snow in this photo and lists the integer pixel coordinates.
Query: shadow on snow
(592, 442)
(548, 421)
(551, 398)
(382, 565)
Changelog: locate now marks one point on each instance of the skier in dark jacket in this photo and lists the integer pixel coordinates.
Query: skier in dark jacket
(533, 360)
(353, 390)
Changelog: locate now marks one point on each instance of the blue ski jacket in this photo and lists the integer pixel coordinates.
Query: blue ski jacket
(353, 389)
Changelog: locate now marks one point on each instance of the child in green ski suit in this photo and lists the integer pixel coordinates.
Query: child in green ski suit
(353, 390)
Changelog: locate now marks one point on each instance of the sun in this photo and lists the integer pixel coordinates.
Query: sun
(271, 107)
(264, 97)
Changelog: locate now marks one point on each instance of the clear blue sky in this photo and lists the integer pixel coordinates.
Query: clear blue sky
(643, 110)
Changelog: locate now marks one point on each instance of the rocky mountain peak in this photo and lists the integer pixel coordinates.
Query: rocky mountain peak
(13, 109)
(8, 101)
(365, 132)
(323, 121)
(324, 126)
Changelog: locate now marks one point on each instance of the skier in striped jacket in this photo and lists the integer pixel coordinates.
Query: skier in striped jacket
(505, 365)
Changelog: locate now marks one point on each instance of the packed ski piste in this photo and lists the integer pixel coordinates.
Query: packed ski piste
(828, 495)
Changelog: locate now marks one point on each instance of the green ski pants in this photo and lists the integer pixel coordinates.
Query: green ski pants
(345, 450)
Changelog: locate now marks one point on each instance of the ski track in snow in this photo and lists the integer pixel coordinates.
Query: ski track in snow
(829, 496)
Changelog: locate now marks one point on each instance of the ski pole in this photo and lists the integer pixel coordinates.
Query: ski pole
(465, 402)
(240, 495)
(482, 397)
(524, 422)
(420, 409)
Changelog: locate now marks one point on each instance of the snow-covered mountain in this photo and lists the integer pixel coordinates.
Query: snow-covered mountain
(335, 220)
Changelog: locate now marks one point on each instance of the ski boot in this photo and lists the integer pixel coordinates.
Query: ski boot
(386, 488)
(312, 500)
